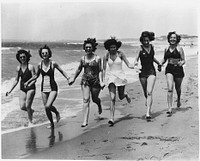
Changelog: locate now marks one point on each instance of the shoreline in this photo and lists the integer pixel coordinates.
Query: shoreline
(132, 137)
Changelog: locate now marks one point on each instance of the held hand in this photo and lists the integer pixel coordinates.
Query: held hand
(180, 63)
(7, 93)
(68, 80)
(25, 85)
(159, 67)
(102, 84)
(71, 82)
(137, 69)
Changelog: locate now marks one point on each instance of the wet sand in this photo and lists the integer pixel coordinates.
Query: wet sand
(131, 138)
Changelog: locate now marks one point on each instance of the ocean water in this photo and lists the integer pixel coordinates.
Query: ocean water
(67, 55)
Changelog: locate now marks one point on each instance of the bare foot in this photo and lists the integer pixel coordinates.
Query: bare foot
(30, 124)
(128, 98)
(58, 117)
(100, 110)
(178, 104)
(51, 126)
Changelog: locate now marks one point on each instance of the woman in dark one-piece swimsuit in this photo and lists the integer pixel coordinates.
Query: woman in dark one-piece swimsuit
(148, 73)
(49, 88)
(25, 71)
(174, 72)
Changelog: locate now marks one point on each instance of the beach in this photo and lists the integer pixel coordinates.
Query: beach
(131, 137)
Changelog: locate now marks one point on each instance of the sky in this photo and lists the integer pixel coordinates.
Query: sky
(77, 20)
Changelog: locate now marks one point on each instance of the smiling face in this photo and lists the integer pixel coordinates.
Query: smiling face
(88, 48)
(45, 54)
(173, 39)
(22, 58)
(113, 49)
(146, 41)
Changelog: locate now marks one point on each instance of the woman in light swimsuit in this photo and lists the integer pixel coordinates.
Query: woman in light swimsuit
(147, 75)
(25, 71)
(91, 82)
(174, 70)
(115, 77)
(49, 86)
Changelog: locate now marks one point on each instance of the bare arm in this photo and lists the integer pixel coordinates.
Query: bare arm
(62, 71)
(34, 77)
(126, 60)
(182, 61)
(105, 58)
(137, 58)
(78, 71)
(100, 72)
(15, 82)
(163, 61)
(32, 69)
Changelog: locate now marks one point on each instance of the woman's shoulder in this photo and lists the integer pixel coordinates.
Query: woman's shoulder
(179, 48)
(30, 67)
(98, 57)
(18, 68)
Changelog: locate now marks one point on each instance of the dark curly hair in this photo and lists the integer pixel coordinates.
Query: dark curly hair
(91, 41)
(178, 37)
(148, 34)
(27, 53)
(45, 47)
(112, 41)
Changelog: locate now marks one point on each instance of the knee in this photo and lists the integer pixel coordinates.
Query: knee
(149, 93)
(113, 98)
(47, 106)
(23, 107)
(170, 90)
(86, 100)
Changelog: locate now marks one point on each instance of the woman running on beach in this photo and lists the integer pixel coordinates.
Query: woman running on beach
(49, 86)
(91, 81)
(115, 77)
(174, 70)
(147, 75)
(25, 71)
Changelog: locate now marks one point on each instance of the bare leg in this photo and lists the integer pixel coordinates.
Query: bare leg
(112, 91)
(170, 86)
(178, 82)
(22, 100)
(29, 100)
(143, 81)
(150, 85)
(121, 91)
(86, 104)
(48, 99)
(95, 98)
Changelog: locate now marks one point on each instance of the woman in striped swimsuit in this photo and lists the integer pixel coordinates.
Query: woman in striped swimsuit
(49, 86)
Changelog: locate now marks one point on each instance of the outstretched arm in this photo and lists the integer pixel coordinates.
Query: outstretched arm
(15, 82)
(34, 77)
(163, 61)
(126, 61)
(78, 71)
(62, 71)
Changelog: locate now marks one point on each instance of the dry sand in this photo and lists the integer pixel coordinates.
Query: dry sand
(131, 138)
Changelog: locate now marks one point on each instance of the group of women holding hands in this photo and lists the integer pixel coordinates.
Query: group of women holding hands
(96, 75)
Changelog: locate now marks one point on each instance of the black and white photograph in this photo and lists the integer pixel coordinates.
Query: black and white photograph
(100, 80)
